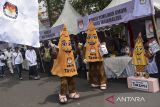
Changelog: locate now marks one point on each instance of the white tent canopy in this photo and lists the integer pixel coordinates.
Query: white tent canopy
(68, 17)
(115, 3)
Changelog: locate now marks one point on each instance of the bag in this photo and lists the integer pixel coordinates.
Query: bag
(47, 55)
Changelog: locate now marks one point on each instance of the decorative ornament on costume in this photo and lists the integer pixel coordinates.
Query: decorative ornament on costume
(139, 59)
(69, 60)
(93, 50)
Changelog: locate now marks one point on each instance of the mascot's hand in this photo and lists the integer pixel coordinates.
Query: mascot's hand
(51, 44)
(85, 61)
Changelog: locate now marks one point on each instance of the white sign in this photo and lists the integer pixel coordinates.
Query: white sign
(149, 29)
(142, 85)
(19, 22)
(103, 50)
(154, 46)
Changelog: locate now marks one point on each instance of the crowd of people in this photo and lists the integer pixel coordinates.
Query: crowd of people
(35, 60)
(41, 60)
(13, 59)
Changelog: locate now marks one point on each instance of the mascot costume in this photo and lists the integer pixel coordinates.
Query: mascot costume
(65, 67)
(139, 59)
(97, 77)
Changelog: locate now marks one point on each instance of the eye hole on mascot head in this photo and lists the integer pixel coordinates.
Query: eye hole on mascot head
(66, 45)
(139, 50)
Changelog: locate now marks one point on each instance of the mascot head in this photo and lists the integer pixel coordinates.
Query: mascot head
(139, 57)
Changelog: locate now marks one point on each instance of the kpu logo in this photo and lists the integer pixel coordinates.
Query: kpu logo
(10, 10)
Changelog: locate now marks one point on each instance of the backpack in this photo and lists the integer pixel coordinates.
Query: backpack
(47, 55)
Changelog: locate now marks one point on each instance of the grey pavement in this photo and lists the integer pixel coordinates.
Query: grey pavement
(44, 93)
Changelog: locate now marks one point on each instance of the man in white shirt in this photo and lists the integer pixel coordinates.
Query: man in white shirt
(8, 55)
(31, 57)
(17, 61)
(2, 64)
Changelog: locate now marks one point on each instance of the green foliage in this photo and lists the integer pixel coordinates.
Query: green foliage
(83, 7)
(55, 8)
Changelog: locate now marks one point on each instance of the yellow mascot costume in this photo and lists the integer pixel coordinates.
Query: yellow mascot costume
(97, 77)
(65, 67)
(139, 59)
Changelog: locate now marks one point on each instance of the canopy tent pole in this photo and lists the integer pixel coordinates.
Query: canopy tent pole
(154, 24)
(155, 29)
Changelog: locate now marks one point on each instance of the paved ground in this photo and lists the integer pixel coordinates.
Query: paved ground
(43, 93)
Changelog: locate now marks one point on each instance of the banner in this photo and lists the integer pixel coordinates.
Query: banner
(19, 22)
(113, 16)
(51, 33)
(108, 17)
(143, 8)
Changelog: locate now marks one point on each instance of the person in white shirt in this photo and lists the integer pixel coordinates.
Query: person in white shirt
(31, 57)
(17, 61)
(8, 55)
(2, 64)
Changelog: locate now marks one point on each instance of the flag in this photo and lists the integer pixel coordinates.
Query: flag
(143, 8)
(19, 22)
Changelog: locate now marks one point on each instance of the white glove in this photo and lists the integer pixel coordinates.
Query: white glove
(51, 44)
(85, 61)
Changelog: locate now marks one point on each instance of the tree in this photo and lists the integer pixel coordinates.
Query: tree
(55, 7)
(85, 7)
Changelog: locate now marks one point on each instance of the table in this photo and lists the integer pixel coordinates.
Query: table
(117, 67)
